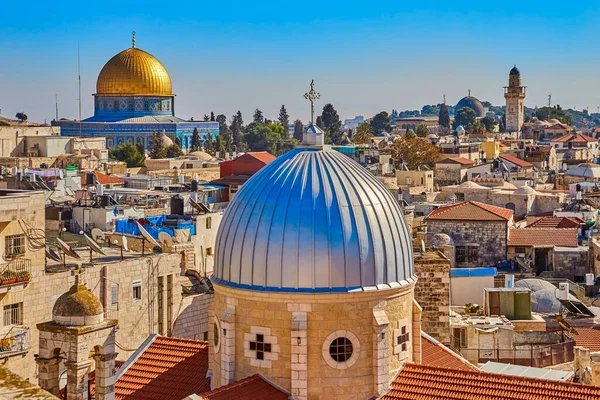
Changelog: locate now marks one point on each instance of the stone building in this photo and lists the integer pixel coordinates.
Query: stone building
(479, 231)
(316, 288)
(450, 171)
(514, 94)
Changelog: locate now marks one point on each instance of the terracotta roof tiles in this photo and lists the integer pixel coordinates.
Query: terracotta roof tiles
(456, 160)
(107, 179)
(254, 387)
(421, 382)
(515, 160)
(588, 337)
(436, 354)
(169, 369)
(542, 237)
(471, 211)
(556, 222)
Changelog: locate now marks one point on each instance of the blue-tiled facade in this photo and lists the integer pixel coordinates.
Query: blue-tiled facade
(134, 119)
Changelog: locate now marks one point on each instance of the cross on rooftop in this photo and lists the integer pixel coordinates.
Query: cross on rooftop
(311, 96)
(260, 347)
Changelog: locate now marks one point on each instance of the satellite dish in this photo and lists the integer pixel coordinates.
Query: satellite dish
(51, 254)
(98, 235)
(165, 238)
(124, 243)
(147, 235)
(93, 245)
(67, 249)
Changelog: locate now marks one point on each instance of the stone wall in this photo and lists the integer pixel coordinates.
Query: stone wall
(490, 236)
(432, 292)
(299, 328)
(570, 263)
(137, 318)
(192, 320)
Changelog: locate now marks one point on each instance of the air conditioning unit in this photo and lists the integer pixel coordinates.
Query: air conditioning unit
(509, 280)
(589, 279)
(563, 291)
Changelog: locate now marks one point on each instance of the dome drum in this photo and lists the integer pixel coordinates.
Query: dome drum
(313, 221)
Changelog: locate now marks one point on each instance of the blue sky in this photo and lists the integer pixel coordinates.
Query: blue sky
(364, 56)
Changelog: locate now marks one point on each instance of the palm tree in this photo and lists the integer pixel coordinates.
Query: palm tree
(362, 134)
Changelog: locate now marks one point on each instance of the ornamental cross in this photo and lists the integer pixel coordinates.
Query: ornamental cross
(312, 96)
(133, 39)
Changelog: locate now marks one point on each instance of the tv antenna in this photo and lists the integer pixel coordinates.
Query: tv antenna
(56, 103)
(550, 100)
(444, 96)
(79, 79)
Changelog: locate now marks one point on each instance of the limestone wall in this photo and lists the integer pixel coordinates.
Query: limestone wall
(432, 292)
(299, 328)
(137, 318)
(192, 320)
(571, 263)
(490, 236)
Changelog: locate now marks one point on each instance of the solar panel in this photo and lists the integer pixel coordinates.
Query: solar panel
(576, 307)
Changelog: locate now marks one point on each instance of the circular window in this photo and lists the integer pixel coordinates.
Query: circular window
(340, 349)
(216, 335)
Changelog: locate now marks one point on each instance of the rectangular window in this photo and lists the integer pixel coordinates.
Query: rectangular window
(402, 339)
(14, 244)
(114, 294)
(208, 223)
(459, 338)
(137, 290)
(13, 314)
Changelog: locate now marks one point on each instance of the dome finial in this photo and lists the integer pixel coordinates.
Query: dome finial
(312, 96)
(133, 40)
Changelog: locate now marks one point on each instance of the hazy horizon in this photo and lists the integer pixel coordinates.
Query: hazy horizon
(234, 56)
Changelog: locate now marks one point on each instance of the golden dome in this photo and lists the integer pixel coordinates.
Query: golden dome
(134, 72)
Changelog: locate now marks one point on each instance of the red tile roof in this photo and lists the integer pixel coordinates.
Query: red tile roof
(514, 160)
(107, 179)
(575, 138)
(588, 337)
(542, 237)
(263, 156)
(556, 222)
(456, 160)
(169, 369)
(254, 387)
(435, 354)
(420, 382)
(471, 211)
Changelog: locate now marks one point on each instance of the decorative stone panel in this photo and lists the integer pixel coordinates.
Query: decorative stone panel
(261, 347)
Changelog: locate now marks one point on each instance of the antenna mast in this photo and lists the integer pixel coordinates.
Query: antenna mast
(79, 79)
(56, 103)
(550, 100)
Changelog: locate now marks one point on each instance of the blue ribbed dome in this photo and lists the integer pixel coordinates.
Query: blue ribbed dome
(515, 71)
(313, 221)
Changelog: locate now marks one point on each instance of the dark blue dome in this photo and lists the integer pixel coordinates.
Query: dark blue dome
(472, 103)
(515, 71)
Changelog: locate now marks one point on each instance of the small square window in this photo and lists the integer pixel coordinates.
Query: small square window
(13, 314)
(253, 346)
(268, 347)
(208, 223)
(260, 338)
(137, 290)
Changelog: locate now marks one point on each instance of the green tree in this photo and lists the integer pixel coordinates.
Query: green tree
(240, 120)
(221, 119)
(410, 134)
(319, 122)
(362, 134)
(381, 122)
(331, 124)
(444, 116)
(173, 151)
(422, 130)
(21, 116)
(466, 117)
(556, 112)
(178, 141)
(478, 128)
(212, 116)
(284, 120)
(208, 145)
(298, 130)
(157, 149)
(414, 152)
(132, 155)
(258, 117)
(489, 123)
(220, 146)
(206, 118)
(196, 143)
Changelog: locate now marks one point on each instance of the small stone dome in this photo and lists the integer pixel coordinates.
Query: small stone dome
(441, 239)
(166, 141)
(526, 190)
(472, 103)
(78, 307)
(201, 155)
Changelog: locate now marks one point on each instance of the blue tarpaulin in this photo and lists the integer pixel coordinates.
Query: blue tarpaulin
(466, 272)
(154, 225)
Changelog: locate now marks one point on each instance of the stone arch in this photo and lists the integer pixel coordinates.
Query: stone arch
(511, 206)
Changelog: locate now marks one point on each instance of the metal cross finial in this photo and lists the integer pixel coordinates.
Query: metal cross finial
(133, 39)
(469, 92)
(312, 96)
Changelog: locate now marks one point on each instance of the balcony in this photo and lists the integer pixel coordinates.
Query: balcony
(14, 340)
(16, 273)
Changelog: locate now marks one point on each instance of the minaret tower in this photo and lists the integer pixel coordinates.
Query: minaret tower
(514, 94)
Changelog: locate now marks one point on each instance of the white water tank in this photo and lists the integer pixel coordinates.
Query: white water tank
(509, 280)
(589, 279)
(563, 291)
